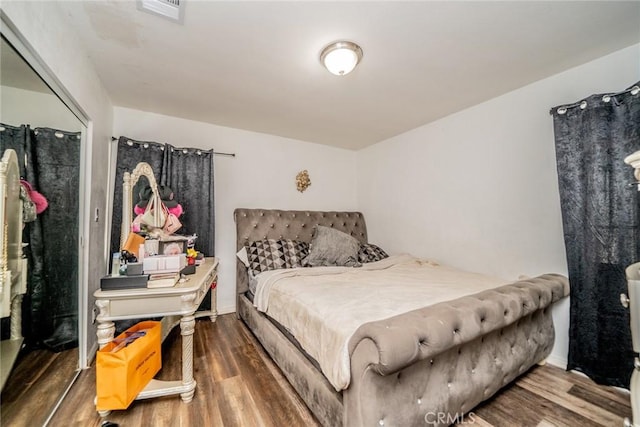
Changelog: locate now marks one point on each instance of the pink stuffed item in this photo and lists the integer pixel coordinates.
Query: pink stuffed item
(37, 198)
(176, 210)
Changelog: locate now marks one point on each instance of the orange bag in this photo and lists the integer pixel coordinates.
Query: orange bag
(121, 375)
(132, 245)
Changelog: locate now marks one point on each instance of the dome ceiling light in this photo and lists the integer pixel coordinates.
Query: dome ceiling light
(341, 57)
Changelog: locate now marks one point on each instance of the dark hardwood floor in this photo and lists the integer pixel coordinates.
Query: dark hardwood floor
(238, 385)
(35, 384)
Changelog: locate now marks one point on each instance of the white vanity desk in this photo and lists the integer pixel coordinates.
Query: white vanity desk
(176, 305)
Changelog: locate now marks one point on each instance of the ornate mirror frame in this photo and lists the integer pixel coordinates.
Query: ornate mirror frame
(13, 268)
(10, 228)
(129, 182)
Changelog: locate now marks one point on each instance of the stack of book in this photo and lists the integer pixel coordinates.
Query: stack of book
(163, 280)
(164, 263)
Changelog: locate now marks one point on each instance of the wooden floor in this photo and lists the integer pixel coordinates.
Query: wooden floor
(238, 385)
(37, 381)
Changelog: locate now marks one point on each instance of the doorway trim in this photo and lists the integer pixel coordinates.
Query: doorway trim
(29, 54)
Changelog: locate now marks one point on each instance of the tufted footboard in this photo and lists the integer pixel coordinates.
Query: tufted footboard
(423, 368)
(432, 365)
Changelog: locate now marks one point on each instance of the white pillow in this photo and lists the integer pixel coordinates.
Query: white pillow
(243, 257)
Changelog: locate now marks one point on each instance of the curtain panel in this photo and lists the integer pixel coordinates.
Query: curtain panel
(187, 171)
(600, 216)
(49, 159)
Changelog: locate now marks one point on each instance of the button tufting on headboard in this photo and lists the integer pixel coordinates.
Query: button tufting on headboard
(258, 224)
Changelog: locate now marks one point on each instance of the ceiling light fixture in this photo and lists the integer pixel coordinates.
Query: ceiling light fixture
(340, 58)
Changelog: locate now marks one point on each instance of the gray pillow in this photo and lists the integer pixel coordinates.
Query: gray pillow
(332, 247)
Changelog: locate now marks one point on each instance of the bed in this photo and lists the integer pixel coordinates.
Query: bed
(430, 364)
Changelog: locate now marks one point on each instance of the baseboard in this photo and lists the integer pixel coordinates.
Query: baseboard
(557, 361)
(91, 355)
(226, 310)
(582, 374)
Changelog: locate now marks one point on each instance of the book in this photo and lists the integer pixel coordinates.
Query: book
(159, 264)
(163, 280)
(110, 283)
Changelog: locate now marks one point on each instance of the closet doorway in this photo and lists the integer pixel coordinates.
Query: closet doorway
(49, 139)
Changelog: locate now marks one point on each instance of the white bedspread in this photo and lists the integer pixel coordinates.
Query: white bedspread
(323, 306)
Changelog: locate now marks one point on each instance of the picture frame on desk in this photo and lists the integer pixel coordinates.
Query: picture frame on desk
(170, 245)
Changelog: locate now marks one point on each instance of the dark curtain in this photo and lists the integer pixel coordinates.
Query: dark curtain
(16, 138)
(601, 229)
(189, 173)
(129, 154)
(49, 159)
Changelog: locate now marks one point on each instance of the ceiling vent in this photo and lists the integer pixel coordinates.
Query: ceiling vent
(170, 9)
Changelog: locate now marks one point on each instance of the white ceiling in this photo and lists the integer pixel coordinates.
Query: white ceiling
(254, 65)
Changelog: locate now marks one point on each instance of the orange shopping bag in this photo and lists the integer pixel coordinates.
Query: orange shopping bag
(123, 373)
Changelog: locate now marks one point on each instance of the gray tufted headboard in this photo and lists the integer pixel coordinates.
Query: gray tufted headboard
(258, 224)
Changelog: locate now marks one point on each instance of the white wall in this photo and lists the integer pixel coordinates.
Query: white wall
(478, 189)
(45, 28)
(262, 175)
(38, 109)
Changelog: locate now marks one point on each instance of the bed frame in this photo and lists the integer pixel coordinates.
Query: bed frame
(430, 365)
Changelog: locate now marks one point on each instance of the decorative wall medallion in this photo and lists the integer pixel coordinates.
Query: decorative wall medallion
(302, 181)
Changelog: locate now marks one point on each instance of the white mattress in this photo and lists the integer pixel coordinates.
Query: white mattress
(323, 306)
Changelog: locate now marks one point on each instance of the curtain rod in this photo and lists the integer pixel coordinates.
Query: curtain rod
(113, 138)
(634, 90)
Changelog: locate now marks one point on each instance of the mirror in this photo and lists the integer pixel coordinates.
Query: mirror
(48, 361)
(133, 183)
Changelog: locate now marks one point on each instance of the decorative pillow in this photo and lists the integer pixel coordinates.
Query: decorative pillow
(301, 250)
(370, 253)
(272, 254)
(332, 247)
(243, 256)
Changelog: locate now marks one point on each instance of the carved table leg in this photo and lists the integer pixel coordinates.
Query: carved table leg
(214, 303)
(635, 396)
(101, 413)
(187, 328)
(105, 333)
(16, 317)
(105, 336)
